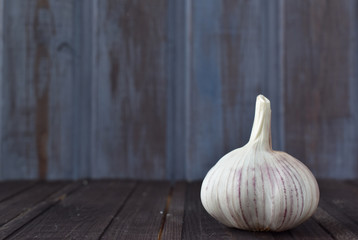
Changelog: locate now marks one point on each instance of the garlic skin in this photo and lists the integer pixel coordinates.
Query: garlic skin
(258, 189)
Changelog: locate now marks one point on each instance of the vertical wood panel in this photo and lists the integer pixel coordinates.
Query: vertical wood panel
(234, 57)
(1, 75)
(177, 89)
(37, 94)
(163, 89)
(320, 85)
(82, 87)
(130, 89)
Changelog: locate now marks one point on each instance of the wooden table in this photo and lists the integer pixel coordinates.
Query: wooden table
(117, 209)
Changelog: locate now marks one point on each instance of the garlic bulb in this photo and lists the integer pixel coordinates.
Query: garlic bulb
(258, 189)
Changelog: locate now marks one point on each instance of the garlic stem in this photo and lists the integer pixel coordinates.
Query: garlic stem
(261, 129)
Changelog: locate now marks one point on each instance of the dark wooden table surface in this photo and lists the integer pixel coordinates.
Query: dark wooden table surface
(117, 209)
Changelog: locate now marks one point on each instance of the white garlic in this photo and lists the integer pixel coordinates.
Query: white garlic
(258, 189)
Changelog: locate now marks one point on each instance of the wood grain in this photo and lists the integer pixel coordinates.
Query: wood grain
(197, 223)
(82, 88)
(319, 73)
(142, 214)
(2, 10)
(310, 230)
(31, 213)
(36, 122)
(230, 65)
(84, 214)
(342, 196)
(330, 211)
(337, 229)
(175, 215)
(162, 89)
(130, 89)
(178, 52)
(112, 209)
(11, 188)
(12, 207)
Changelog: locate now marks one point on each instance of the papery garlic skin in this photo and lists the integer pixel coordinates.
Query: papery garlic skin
(258, 189)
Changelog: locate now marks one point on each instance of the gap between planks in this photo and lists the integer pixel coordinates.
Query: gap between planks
(26, 187)
(119, 210)
(325, 217)
(165, 212)
(23, 218)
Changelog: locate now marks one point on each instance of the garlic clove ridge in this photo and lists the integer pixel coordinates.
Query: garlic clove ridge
(258, 189)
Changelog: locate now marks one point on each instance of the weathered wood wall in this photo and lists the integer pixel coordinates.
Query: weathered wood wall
(38, 89)
(162, 89)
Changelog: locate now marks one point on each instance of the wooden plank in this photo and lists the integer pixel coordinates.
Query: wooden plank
(310, 230)
(20, 220)
(282, 235)
(37, 95)
(352, 182)
(141, 216)
(130, 89)
(330, 217)
(234, 57)
(342, 196)
(1, 71)
(332, 225)
(11, 188)
(175, 214)
(320, 85)
(178, 64)
(82, 87)
(240, 234)
(335, 191)
(195, 214)
(198, 224)
(82, 215)
(25, 200)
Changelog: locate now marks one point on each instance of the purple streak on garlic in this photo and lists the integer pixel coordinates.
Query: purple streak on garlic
(258, 189)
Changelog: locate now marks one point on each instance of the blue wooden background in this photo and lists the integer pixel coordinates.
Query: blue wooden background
(162, 89)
